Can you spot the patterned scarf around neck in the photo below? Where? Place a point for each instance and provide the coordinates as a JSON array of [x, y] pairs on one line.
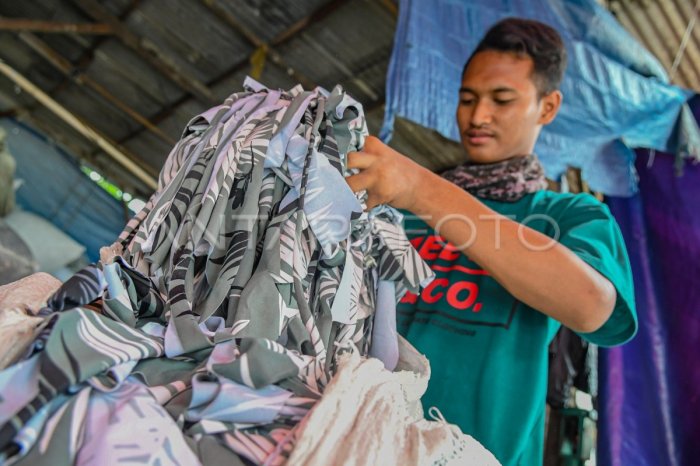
[[506, 181]]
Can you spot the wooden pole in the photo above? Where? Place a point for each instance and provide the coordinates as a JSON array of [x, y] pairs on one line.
[[52, 27], [90, 133], [83, 80], [148, 51]]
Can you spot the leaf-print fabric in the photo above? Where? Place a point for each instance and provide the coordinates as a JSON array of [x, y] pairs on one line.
[[227, 299]]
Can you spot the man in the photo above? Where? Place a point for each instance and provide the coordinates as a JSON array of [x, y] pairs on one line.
[[513, 261]]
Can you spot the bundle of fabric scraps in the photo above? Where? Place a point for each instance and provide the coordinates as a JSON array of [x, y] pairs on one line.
[[212, 327]]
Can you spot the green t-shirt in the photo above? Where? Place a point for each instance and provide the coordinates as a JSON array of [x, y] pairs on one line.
[[487, 350]]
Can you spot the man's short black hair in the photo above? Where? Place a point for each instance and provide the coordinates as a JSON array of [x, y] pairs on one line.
[[530, 38]]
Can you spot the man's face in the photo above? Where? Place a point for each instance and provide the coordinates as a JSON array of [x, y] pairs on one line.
[[499, 113]]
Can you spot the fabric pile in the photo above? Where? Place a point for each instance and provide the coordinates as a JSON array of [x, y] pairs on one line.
[[17, 322], [364, 418], [215, 323]]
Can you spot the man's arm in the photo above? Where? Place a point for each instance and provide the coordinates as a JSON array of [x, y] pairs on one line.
[[533, 267]]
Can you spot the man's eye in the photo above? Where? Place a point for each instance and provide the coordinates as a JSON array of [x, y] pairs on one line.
[[466, 101], [503, 102]]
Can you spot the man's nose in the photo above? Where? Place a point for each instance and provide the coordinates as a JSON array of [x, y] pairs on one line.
[[482, 114]]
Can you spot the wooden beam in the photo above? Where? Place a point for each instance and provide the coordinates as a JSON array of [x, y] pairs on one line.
[[224, 14], [87, 56], [338, 63], [254, 40], [47, 124], [83, 80], [52, 27], [148, 51], [285, 36], [104, 165], [277, 59], [317, 15], [117, 153], [391, 7], [111, 171]]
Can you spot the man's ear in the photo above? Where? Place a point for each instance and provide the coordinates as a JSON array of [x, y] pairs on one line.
[[549, 107]]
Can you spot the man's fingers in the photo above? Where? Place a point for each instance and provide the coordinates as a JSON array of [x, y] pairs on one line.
[[372, 202], [366, 179], [359, 182], [361, 160]]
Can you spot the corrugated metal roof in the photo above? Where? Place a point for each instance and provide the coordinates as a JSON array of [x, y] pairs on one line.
[[191, 35], [212, 42], [209, 45], [660, 25], [351, 42], [269, 18]]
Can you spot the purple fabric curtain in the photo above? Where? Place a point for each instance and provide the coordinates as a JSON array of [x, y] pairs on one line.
[[650, 388]]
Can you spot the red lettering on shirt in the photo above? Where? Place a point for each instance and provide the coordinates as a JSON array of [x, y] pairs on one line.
[[449, 252], [431, 247], [456, 297], [409, 298], [416, 242], [427, 294], [435, 247], [460, 295]]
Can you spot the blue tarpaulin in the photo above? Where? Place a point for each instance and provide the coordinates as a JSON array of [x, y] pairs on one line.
[[55, 188], [616, 94]]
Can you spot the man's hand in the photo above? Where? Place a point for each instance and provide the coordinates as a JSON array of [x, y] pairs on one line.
[[388, 176], [552, 280]]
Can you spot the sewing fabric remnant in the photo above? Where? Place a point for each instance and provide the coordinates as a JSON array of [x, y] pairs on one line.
[[227, 299]]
